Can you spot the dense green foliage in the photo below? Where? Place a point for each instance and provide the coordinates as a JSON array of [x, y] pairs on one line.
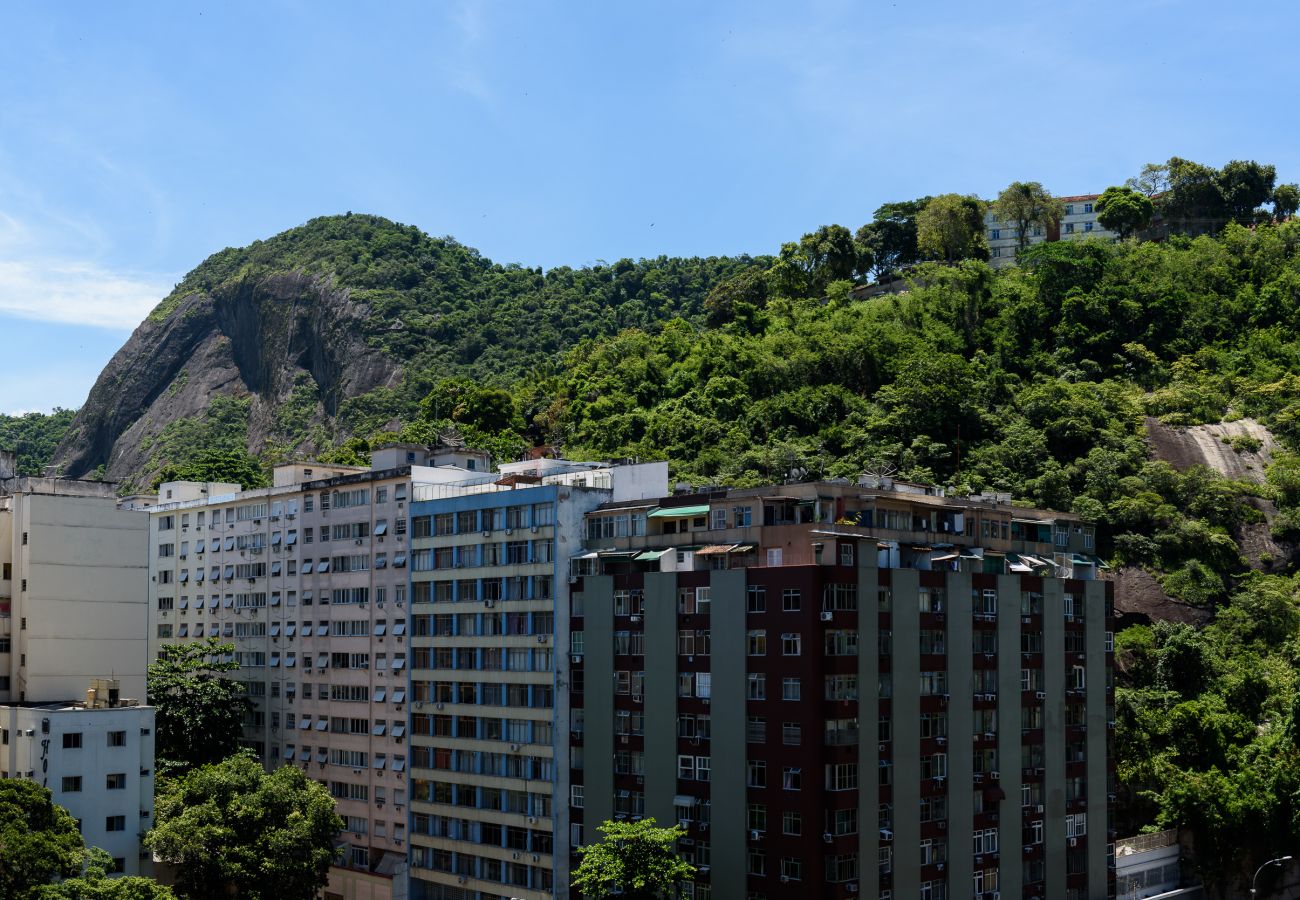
[[42, 855], [443, 308], [33, 437], [199, 711], [39, 841], [94, 883], [637, 860], [232, 830]]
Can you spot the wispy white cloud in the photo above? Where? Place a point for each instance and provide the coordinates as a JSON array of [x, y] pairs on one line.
[[80, 293]]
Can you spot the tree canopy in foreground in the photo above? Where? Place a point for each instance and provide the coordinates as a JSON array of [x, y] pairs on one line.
[[636, 860]]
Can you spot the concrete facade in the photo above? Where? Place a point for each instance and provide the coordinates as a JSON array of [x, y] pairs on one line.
[[73, 590], [97, 762], [308, 579], [491, 723], [866, 692]]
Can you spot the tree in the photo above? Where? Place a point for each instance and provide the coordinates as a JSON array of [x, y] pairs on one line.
[[1025, 204], [634, 859], [739, 297], [94, 884], [232, 466], [805, 268], [890, 237], [951, 228], [1245, 186], [234, 830], [1286, 200], [1153, 180], [1124, 210], [39, 841], [199, 712]]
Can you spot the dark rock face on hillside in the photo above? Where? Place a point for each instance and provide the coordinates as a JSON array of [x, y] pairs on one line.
[[252, 337]]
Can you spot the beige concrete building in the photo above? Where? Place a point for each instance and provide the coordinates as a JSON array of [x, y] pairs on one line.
[[308, 580], [73, 588]]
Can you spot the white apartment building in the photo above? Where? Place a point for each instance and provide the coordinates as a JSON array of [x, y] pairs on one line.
[[1078, 221], [73, 588], [491, 755], [96, 757], [308, 579]]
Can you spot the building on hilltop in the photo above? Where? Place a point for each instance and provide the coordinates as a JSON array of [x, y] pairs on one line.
[[490, 717], [1078, 221], [96, 756], [73, 588], [847, 690]]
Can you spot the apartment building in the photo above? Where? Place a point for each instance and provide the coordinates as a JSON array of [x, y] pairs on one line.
[[847, 690], [1078, 220], [489, 720], [308, 579], [73, 588], [96, 756]]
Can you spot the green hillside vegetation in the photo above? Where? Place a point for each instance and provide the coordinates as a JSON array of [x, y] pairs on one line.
[[33, 436]]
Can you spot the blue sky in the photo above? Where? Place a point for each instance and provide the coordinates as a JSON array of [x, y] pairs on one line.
[[136, 138]]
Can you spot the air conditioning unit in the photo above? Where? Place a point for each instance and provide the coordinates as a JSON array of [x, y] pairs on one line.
[[514, 748], [995, 775], [827, 615], [532, 820], [827, 837], [1038, 808], [510, 531], [1040, 695], [755, 835], [534, 529], [1074, 842], [487, 532]]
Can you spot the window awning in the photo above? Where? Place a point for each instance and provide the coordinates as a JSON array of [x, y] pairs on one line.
[[683, 800], [399, 561], [399, 696], [380, 693], [649, 555], [381, 528], [1097, 561], [322, 724], [714, 549], [305, 724], [276, 537], [275, 631], [290, 661], [185, 575], [289, 752], [380, 628], [947, 557], [399, 627], [679, 512], [1081, 560], [321, 755], [379, 729], [275, 599], [617, 554], [399, 729]]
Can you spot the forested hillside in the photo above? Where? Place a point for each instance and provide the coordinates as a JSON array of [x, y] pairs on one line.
[[33, 436]]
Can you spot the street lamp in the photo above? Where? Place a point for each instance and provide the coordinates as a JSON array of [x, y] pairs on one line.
[[1272, 862]]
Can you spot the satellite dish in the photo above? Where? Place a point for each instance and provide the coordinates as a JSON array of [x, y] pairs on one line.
[[878, 472]]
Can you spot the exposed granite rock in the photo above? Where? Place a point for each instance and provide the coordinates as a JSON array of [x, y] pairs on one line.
[[251, 337]]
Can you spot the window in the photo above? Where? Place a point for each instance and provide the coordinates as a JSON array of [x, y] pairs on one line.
[[115, 823], [756, 598], [72, 740], [116, 782], [791, 734], [790, 688], [757, 686], [791, 643], [792, 778], [790, 600], [756, 773], [71, 784], [757, 642]]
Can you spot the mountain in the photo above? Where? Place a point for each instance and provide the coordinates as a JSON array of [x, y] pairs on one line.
[[340, 325]]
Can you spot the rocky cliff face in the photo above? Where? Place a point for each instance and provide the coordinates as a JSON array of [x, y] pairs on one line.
[[257, 337]]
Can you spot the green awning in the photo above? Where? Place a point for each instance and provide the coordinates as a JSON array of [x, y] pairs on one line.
[[679, 512], [1098, 561], [1080, 560], [650, 555]]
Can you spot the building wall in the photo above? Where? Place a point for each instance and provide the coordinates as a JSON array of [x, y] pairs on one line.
[[988, 726], [32, 746], [1079, 221], [487, 731], [324, 655], [77, 594]]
